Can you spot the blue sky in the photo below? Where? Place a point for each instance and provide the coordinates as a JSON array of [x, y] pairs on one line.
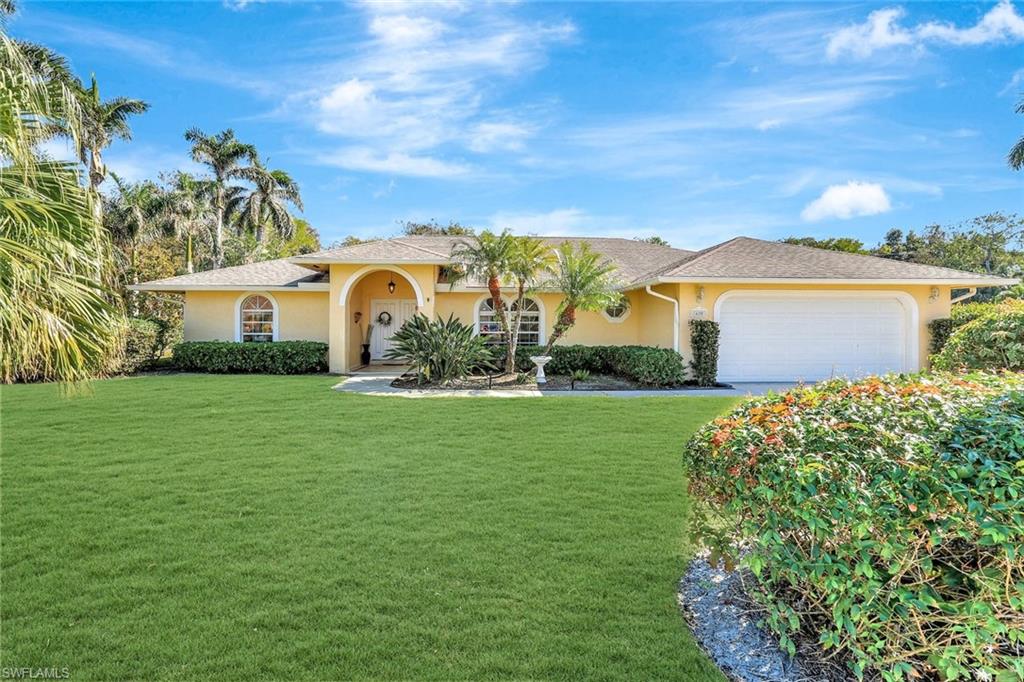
[[691, 121]]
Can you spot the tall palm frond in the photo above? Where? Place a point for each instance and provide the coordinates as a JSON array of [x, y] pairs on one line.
[[267, 203], [225, 155], [486, 257], [1016, 156], [585, 282], [56, 321]]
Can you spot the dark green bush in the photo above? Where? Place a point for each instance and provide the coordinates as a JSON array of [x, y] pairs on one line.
[[226, 357], [643, 364], [440, 350], [883, 518], [704, 345], [939, 330], [962, 313], [141, 345], [993, 341]]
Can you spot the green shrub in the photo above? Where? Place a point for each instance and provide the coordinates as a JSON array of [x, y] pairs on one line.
[[643, 364], [704, 344], [993, 341], [962, 313], [939, 331], [226, 357], [440, 350], [883, 518], [141, 345]]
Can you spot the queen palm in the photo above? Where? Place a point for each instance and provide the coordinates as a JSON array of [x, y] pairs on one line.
[[56, 320], [102, 123], [585, 282], [530, 258], [225, 155], [267, 203]]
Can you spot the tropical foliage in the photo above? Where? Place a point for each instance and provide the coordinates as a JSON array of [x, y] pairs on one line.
[[439, 350], [994, 340], [704, 346], [1015, 158], [586, 283], [56, 319], [882, 519], [497, 260]]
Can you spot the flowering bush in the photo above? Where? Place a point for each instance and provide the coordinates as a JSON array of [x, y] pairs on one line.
[[884, 518]]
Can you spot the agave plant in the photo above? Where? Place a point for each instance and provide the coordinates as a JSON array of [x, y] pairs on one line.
[[440, 351]]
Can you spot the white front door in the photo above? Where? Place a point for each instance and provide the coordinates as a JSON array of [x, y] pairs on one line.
[[399, 310], [767, 336]]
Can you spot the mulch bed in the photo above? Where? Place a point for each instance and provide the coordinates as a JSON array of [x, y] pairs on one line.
[[556, 382]]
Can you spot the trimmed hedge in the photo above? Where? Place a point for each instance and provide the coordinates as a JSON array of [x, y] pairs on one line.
[[645, 365], [704, 342], [226, 357], [940, 330], [992, 341], [882, 519]]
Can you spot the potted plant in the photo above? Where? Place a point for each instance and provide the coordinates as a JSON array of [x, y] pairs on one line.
[[364, 357]]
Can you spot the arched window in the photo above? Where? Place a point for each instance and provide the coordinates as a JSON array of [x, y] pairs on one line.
[[256, 319], [617, 312], [489, 326]]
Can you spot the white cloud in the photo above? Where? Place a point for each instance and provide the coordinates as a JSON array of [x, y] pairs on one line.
[[57, 149], [397, 163], [769, 124], [420, 88], [497, 136], [1016, 80], [847, 201], [559, 222], [404, 30], [883, 30]]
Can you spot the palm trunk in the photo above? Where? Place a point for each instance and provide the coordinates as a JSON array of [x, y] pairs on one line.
[[218, 237], [188, 255], [565, 322], [494, 286], [517, 322]]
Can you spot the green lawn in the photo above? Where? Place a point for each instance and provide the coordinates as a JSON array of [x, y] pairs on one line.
[[239, 527]]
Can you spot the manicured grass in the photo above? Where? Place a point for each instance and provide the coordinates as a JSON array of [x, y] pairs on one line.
[[267, 527]]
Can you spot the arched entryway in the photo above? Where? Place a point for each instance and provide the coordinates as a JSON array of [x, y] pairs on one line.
[[383, 296]]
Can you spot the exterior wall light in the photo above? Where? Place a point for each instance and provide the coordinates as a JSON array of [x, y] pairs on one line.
[[391, 285]]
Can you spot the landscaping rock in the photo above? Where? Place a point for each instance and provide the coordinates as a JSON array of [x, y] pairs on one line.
[[724, 621]]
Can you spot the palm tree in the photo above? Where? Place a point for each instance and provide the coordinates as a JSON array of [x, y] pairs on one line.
[[56, 319], [224, 154], [102, 122], [185, 211], [487, 257], [131, 218], [585, 282], [1016, 156], [530, 257], [267, 203]]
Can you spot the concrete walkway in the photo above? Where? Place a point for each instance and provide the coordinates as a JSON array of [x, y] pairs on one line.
[[378, 382]]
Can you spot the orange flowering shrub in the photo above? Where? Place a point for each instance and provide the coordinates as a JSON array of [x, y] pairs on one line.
[[884, 518]]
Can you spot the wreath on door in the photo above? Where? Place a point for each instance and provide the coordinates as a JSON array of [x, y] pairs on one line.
[[384, 319]]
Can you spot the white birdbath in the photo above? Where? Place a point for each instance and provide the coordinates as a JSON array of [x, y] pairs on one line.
[[540, 361]]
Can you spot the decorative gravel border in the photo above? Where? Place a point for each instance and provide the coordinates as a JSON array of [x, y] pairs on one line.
[[724, 622]]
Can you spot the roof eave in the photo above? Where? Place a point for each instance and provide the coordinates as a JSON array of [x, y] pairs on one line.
[[308, 286], [976, 282], [320, 260]]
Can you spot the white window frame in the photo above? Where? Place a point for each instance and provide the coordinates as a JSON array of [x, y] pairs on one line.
[[509, 300], [275, 321], [621, 318]]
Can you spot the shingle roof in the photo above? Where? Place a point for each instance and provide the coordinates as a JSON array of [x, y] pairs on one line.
[[633, 259], [271, 273], [637, 263], [747, 258]]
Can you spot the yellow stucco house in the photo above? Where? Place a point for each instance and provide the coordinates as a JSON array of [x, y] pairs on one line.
[[786, 312]]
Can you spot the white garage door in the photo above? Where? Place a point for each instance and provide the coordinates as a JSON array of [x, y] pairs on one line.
[[770, 337]]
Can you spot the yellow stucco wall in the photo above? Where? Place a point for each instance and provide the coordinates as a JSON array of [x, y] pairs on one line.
[[323, 316], [928, 310], [360, 284], [210, 315]]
